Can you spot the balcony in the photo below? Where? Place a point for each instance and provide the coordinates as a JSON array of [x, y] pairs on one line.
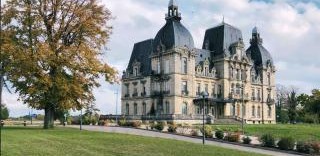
[[270, 101], [134, 94], [143, 94], [127, 95], [239, 96], [166, 92]]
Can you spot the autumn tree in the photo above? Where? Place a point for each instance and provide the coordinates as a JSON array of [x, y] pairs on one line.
[[55, 51]]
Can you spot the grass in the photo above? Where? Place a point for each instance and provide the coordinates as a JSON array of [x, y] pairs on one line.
[[300, 132], [63, 141]]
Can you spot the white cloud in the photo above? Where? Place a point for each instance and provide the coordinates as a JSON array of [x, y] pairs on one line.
[[290, 31]]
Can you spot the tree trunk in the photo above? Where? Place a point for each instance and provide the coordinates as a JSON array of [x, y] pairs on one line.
[[48, 118]]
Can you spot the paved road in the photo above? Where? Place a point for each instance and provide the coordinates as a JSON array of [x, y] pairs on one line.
[[176, 137]]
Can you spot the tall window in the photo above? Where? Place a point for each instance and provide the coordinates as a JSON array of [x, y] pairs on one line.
[[238, 74], [238, 89], [159, 67], [206, 88], [184, 108], [253, 94], [184, 65], [135, 71], [167, 67], [206, 71], [135, 109], [167, 107], [184, 87], [269, 112], [232, 88], [127, 89], [127, 109], [258, 112], [244, 110], [258, 95], [220, 90], [232, 110], [198, 89], [231, 73], [214, 90], [144, 109], [269, 80], [253, 111]]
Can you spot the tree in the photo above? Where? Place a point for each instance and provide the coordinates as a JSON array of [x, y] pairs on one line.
[[4, 112], [54, 48], [292, 106], [281, 95]]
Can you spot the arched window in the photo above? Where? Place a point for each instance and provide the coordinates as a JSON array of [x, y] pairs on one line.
[[232, 111], [184, 108], [184, 65], [135, 109], [253, 111], [167, 107], [127, 109], [258, 112]]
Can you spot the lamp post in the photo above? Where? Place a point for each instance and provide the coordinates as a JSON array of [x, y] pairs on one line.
[[117, 93], [242, 103], [204, 96]]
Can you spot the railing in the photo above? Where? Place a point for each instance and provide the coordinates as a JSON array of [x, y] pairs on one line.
[[134, 94], [156, 117], [127, 95], [143, 94], [185, 93]]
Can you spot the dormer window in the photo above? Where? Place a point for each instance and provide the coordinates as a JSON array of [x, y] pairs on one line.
[[136, 68]]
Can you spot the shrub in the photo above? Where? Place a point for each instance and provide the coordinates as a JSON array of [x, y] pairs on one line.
[[286, 143], [172, 128], [246, 140], [194, 132], [219, 134], [315, 147], [159, 126], [136, 124], [268, 140], [101, 122], [232, 137], [303, 147], [122, 122], [207, 131], [183, 128]]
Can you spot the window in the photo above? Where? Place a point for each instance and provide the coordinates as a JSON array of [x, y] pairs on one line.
[[258, 112], [184, 87], [243, 75], [253, 111], [232, 88], [127, 89], [269, 112], [167, 67], [243, 110], [167, 86], [158, 67], [198, 89], [232, 111], [238, 74], [198, 110], [220, 90], [253, 94], [185, 109], [206, 88], [135, 109], [184, 65], [258, 95], [167, 107], [206, 71], [238, 89], [214, 90], [269, 81], [144, 109], [127, 109], [135, 71], [231, 73]]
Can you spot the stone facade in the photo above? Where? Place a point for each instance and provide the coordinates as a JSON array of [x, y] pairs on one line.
[[166, 76]]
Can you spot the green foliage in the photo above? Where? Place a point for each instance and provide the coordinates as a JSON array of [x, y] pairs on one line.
[[292, 106], [286, 143], [136, 124], [246, 140], [310, 118], [4, 112], [304, 147], [267, 140], [315, 147], [219, 134], [232, 137], [159, 126], [122, 122], [172, 128], [207, 131], [54, 50]]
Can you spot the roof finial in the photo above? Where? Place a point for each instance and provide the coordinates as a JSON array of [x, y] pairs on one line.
[[173, 3], [223, 19]]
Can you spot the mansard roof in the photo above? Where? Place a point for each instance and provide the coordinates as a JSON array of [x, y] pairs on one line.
[[220, 38], [141, 52]]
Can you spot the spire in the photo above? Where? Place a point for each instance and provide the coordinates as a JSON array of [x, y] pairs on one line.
[[173, 11], [255, 36]]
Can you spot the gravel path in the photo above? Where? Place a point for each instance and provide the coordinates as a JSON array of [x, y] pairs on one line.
[[176, 137]]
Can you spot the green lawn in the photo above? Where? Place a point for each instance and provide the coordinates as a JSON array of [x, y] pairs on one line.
[[298, 131], [63, 141]]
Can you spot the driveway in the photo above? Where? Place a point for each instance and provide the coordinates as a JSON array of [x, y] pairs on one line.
[[176, 137]]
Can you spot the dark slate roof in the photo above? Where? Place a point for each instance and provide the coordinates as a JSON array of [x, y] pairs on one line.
[[141, 52], [173, 34], [221, 37], [259, 55]]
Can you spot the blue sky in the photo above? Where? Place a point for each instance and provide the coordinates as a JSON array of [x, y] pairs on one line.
[[290, 30]]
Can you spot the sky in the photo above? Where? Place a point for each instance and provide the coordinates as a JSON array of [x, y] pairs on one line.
[[290, 30]]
